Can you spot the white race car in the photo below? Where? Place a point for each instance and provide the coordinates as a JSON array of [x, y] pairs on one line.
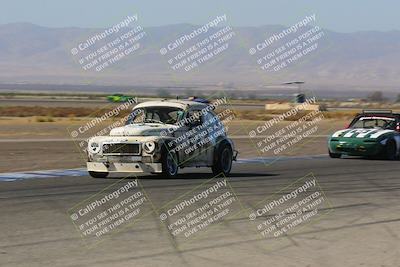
[[162, 136]]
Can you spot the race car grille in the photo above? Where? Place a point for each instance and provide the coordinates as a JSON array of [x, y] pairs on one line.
[[121, 149]]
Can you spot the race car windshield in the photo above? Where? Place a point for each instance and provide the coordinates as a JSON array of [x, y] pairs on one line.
[[164, 115], [375, 122]]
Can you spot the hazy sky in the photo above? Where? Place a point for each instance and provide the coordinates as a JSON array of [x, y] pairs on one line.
[[337, 15]]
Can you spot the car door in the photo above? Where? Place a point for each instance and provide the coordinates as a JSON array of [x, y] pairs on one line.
[[194, 151], [182, 142], [214, 131]]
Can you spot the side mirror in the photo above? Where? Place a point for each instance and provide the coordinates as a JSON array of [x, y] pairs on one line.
[[195, 123], [195, 120]]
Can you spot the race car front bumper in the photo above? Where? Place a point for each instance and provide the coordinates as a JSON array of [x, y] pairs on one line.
[[348, 148], [132, 167]]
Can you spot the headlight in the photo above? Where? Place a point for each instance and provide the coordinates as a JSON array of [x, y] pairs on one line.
[[149, 147], [94, 147]]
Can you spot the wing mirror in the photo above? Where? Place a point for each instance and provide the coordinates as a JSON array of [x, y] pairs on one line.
[[194, 120], [195, 123]]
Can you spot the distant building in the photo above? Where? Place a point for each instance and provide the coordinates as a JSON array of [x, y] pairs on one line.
[[299, 99]]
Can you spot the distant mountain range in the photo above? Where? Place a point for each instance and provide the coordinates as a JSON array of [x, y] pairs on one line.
[[343, 61]]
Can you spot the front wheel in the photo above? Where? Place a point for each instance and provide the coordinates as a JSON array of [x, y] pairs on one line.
[[169, 163], [223, 158], [334, 155], [98, 174]]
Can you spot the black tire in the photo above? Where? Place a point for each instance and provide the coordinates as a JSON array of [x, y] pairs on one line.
[[98, 174], [390, 150], [223, 158], [335, 155], [170, 165]]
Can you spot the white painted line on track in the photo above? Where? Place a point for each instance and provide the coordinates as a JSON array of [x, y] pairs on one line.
[[14, 176], [40, 140]]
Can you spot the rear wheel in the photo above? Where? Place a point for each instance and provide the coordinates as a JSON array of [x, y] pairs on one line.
[[223, 158], [390, 150], [169, 163], [98, 174]]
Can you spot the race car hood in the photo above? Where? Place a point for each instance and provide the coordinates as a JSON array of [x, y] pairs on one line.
[[148, 129], [362, 133]]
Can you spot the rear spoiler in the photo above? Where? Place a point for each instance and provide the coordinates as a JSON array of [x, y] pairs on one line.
[[199, 99], [377, 111]]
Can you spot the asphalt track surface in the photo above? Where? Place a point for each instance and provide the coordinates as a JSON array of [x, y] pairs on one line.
[[361, 227]]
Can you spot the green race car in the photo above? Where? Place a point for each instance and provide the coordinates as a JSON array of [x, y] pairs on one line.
[[372, 134], [119, 98]]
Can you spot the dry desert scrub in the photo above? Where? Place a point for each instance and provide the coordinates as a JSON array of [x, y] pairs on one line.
[[44, 113], [70, 112], [263, 115]]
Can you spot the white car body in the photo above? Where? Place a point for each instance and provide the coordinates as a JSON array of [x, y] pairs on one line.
[[128, 149]]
